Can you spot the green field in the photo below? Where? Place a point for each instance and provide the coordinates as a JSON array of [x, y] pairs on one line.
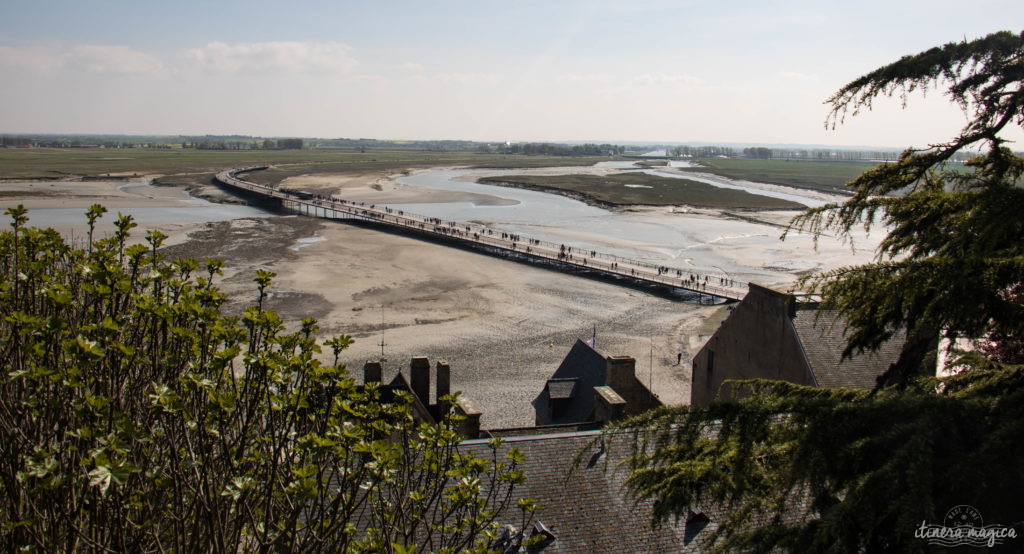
[[56, 163], [634, 188], [826, 176]]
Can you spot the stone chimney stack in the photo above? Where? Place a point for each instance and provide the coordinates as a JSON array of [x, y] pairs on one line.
[[620, 374], [372, 372], [469, 427], [419, 377], [444, 380], [608, 406]]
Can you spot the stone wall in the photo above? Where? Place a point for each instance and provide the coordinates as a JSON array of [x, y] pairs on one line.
[[758, 341]]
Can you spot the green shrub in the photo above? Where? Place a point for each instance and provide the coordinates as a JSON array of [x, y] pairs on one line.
[[136, 417]]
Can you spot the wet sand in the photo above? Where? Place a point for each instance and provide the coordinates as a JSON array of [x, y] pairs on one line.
[[502, 326]]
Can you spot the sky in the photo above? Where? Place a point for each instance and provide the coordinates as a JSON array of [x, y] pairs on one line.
[[676, 71]]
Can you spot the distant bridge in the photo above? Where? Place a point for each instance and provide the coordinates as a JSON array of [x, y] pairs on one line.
[[509, 245]]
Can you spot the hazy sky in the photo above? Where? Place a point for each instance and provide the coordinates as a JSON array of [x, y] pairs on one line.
[[551, 70]]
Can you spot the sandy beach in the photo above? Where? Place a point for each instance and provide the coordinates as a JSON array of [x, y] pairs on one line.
[[502, 326]]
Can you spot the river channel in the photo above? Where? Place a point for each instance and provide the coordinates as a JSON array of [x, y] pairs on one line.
[[741, 248]]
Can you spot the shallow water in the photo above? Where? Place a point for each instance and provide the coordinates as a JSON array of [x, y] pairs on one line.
[[791, 196], [682, 239], [616, 165], [307, 241]]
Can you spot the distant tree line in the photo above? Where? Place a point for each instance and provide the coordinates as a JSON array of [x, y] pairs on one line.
[[82, 142], [763, 153], [15, 141], [364, 144], [245, 142], [799, 154], [703, 151], [266, 144], [548, 149], [759, 152]]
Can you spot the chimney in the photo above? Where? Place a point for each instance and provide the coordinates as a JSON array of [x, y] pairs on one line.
[[608, 406], [469, 427], [372, 371], [419, 377], [444, 380], [620, 373]]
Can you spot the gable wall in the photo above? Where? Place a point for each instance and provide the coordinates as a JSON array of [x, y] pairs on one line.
[[757, 341]]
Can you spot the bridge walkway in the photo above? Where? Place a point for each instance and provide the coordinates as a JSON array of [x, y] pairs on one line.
[[511, 245]]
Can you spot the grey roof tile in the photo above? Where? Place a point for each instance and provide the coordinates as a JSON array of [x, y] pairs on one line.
[[823, 339], [588, 509]]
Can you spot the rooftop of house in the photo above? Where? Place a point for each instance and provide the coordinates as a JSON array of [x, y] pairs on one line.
[[587, 509], [823, 338], [585, 369]]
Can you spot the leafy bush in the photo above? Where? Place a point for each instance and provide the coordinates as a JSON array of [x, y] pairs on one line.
[[137, 417]]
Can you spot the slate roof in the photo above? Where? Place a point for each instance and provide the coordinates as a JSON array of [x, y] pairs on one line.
[[823, 342], [588, 510], [561, 388], [584, 364]]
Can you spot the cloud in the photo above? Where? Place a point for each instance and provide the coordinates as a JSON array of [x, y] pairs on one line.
[[468, 79], [92, 58], [35, 58], [590, 78], [413, 66], [653, 79], [112, 59], [289, 56], [798, 76]]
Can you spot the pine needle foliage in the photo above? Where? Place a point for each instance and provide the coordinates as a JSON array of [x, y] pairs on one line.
[[954, 249], [804, 469], [136, 417], [807, 469]]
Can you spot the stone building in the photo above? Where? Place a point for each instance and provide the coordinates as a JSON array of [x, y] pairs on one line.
[[770, 335], [426, 409]]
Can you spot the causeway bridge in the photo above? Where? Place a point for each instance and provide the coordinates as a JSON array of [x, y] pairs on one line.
[[513, 246]]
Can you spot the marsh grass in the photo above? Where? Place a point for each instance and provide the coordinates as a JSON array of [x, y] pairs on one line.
[[636, 188], [825, 176]]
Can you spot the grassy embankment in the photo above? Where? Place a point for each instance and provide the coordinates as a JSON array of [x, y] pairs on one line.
[[650, 190], [824, 176]]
